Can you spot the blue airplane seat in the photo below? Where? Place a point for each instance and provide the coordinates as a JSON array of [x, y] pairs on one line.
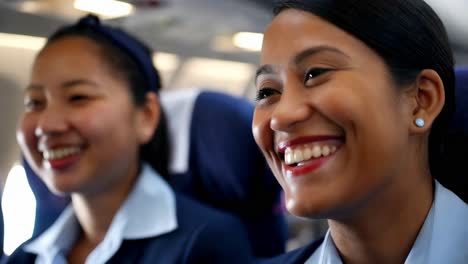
[[225, 168], [461, 97], [455, 169]]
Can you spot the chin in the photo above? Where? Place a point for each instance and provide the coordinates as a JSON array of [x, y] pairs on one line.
[[311, 207], [304, 209], [61, 189]]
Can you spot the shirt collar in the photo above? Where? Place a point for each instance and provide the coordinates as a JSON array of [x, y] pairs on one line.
[[149, 211], [444, 235], [442, 239]]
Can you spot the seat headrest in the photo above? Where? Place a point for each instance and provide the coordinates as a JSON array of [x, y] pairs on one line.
[[460, 122], [455, 170], [215, 157]]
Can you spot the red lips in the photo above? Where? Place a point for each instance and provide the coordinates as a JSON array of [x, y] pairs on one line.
[[312, 164], [63, 163]]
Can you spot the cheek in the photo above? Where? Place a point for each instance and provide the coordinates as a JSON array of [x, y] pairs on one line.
[[27, 141], [101, 121], [264, 138], [93, 127], [361, 106], [339, 110], [112, 129], [342, 101], [261, 130], [374, 131], [25, 133]]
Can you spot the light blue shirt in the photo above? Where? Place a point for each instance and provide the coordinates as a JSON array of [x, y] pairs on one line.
[[148, 211], [443, 237]]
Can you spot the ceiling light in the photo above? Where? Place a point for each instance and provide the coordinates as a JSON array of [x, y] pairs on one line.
[[21, 41], [166, 64], [165, 61], [223, 44], [29, 6], [105, 8], [248, 41]]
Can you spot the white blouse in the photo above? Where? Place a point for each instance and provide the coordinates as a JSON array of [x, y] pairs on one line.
[[442, 239]]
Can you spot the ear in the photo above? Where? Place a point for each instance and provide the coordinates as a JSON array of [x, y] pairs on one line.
[[148, 116], [428, 98]]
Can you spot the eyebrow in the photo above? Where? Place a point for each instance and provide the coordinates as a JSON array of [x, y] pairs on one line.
[[299, 58], [71, 83], [33, 87], [315, 50], [264, 69], [67, 84]]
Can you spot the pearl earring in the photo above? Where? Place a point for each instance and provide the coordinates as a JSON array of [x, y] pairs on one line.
[[419, 122]]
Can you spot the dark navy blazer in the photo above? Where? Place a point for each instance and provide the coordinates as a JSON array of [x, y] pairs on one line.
[[203, 235]]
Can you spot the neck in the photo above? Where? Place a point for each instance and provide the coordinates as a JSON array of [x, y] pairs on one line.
[[384, 230], [95, 211]]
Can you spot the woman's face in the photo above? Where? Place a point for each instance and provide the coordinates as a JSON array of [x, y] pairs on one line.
[[80, 130], [329, 119]]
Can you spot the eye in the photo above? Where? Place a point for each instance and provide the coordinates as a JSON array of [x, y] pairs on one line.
[[78, 98], [314, 73], [264, 93], [32, 104]]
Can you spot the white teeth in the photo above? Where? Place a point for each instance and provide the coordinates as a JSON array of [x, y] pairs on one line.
[[307, 154], [288, 155], [325, 151], [301, 154], [298, 157], [60, 153], [316, 152]]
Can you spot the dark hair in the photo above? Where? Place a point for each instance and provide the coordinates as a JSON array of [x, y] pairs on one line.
[[408, 35], [130, 60]]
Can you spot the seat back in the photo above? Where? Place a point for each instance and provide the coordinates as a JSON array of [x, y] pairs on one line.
[[456, 171], [214, 159], [223, 166], [460, 123]]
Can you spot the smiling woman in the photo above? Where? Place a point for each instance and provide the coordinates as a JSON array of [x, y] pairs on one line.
[[351, 114], [93, 129]]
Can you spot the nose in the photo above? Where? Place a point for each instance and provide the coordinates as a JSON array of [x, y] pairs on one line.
[[51, 121], [291, 109]]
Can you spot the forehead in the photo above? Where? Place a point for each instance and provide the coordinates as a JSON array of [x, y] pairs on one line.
[[70, 56], [293, 31], [70, 47]]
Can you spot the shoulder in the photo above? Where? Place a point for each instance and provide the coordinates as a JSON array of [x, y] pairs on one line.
[[450, 211], [299, 255], [214, 236], [19, 256], [203, 235]]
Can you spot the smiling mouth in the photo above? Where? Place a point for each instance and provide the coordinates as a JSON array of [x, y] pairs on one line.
[[300, 155], [60, 153]]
